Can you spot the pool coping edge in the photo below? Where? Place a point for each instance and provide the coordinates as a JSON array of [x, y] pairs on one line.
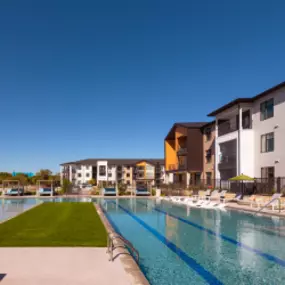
[[131, 268], [18, 214]]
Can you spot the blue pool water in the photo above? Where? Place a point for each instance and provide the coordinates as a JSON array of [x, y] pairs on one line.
[[12, 207], [180, 245]]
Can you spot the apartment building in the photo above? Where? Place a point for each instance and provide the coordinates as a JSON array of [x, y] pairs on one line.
[[149, 172], [250, 135], [113, 171], [189, 153], [209, 134]]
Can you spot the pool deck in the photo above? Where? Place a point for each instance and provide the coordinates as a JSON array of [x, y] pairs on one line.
[[34, 266], [247, 208]]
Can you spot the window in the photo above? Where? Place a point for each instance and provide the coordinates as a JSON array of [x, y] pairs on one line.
[[128, 175], [267, 109], [246, 123], [209, 178], [128, 167], [87, 175], [267, 142], [79, 175], [109, 174], [208, 133], [197, 178], [128, 182], [209, 156], [267, 172], [102, 170]]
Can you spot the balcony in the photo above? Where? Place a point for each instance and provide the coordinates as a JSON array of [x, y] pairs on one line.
[[226, 128], [231, 124], [227, 162], [182, 151]]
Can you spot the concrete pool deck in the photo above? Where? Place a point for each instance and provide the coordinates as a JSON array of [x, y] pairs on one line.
[[34, 266], [248, 208]]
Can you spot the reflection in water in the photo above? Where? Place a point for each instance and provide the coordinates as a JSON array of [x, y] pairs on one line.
[[12, 207]]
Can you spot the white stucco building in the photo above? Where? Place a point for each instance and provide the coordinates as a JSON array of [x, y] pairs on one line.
[[110, 170], [250, 136]]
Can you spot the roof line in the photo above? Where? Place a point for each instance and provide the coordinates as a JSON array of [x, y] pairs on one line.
[[246, 100]]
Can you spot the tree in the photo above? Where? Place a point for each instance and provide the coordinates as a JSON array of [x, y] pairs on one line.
[[4, 176], [65, 185], [92, 182], [23, 178], [55, 178], [44, 174]]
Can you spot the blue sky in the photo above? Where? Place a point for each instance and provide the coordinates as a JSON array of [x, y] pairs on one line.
[[83, 79]]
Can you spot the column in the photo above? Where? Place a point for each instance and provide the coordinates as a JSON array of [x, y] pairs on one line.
[[217, 150], [239, 162]]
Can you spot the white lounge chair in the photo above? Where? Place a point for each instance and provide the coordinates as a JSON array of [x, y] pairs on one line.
[[261, 203]]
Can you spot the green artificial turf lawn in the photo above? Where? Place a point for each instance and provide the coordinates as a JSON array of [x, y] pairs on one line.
[[55, 224]]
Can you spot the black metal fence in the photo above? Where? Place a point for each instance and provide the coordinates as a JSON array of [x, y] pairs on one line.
[[264, 186]]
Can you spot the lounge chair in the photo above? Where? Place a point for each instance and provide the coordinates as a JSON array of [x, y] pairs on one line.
[[203, 196], [273, 202], [45, 191], [14, 191], [259, 202], [142, 192], [222, 196], [213, 195], [109, 192]]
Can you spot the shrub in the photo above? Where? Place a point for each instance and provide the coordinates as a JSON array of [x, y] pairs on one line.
[[30, 193], [95, 191]]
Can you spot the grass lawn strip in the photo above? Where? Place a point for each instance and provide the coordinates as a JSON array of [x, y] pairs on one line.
[[55, 224]]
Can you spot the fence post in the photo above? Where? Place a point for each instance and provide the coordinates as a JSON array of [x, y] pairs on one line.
[[220, 184], [278, 184]]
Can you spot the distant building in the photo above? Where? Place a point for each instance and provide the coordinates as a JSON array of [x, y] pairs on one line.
[[189, 155], [125, 171], [29, 174]]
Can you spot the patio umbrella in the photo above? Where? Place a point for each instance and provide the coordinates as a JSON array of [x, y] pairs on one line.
[[242, 177]]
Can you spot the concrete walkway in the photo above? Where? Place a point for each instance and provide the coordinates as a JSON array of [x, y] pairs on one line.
[[62, 266]]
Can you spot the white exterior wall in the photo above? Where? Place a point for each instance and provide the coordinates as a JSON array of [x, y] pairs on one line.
[[275, 124], [163, 175], [247, 152], [83, 174], [113, 172], [169, 178]]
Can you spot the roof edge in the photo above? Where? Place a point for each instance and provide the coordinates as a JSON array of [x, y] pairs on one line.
[[246, 100]]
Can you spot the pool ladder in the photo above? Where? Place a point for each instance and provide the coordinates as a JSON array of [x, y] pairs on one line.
[[112, 236]]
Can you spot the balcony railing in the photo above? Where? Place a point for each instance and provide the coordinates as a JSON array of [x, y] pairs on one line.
[[232, 125], [226, 128], [182, 151]]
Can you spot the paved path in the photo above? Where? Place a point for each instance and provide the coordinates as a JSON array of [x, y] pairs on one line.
[[62, 266]]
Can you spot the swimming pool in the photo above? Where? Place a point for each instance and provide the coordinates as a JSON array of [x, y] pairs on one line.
[[12, 207], [180, 245]]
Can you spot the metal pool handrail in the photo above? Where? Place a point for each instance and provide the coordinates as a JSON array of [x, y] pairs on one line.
[[110, 245], [267, 204]]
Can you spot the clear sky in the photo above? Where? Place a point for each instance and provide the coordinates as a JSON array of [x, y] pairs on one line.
[[85, 79]]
